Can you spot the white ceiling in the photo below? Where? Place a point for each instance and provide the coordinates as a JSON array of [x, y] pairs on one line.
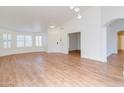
[[34, 18]]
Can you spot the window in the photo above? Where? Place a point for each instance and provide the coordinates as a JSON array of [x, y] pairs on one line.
[[28, 41], [38, 41], [20, 41], [7, 40]]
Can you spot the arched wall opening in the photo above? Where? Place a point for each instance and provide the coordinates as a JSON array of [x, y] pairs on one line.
[[121, 41], [113, 28]]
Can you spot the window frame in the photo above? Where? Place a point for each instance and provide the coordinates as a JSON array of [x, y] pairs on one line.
[[30, 40], [7, 40], [38, 40], [22, 41]]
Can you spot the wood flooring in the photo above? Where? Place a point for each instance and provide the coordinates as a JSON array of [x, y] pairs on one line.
[[59, 70]]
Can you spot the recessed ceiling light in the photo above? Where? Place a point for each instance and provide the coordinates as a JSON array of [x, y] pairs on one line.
[[76, 9], [79, 16], [51, 26], [71, 7]]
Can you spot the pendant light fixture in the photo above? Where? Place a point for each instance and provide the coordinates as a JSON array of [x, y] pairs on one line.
[[77, 10]]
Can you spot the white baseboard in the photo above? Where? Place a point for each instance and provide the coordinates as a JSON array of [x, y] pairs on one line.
[[11, 52]]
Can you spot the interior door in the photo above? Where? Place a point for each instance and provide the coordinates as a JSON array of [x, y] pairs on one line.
[[53, 41]]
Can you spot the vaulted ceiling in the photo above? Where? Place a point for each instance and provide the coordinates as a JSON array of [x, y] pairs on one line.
[[34, 18]]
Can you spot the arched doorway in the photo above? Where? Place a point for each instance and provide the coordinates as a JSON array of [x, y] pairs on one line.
[[115, 30], [121, 42], [114, 43]]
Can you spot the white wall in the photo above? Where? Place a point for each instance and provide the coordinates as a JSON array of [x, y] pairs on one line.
[[90, 28], [111, 41], [111, 13], [14, 49], [74, 41], [45, 40], [94, 34]]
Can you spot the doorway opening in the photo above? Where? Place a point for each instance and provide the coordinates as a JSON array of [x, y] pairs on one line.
[[115, 37], [115, 44], [75, 44], [121, 42]]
